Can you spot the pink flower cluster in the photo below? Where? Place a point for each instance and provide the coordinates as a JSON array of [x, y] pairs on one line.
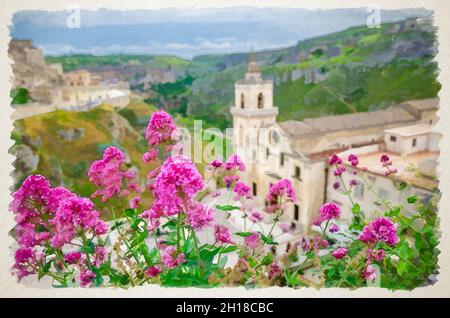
[[387, 163], [340, 252], [170, 258], [279, 195], [275, 270], [252, 241], [160, 128], [175, 186], [234, 162], [76, 214], [53, 217], [242, 190], [199, 216], [328, 211], [380, 230], [222, 234], [110, 176], [27, 262]]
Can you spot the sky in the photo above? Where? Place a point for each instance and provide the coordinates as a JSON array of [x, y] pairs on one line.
[[186, 32]]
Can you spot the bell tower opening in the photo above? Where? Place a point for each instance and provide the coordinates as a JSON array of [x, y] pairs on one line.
[[242, 101], [260, 100]]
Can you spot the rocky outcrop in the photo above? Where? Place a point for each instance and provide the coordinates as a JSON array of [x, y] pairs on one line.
[[31, 72]]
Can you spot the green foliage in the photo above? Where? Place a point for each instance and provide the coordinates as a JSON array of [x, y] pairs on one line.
[[19, 96]]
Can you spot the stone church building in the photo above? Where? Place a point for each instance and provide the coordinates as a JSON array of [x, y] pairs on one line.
[[299, 150]]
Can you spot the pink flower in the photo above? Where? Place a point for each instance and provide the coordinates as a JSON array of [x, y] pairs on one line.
[[86, 277], [234, 162], [252, 241], [199, 216], [353, 159], [377, 255], [177, 183], [34, 199], [150, 155], [380, 230], [280, 193], [100, 256], [160, 128], [335, 160], [222, 234], [216, 163], [336, 185], [170, 258], [73, 215], [285, 228], [305, 244], [153, 271], [256, 217], [27, 262], [275, 270], [334, 228], [369, 273], [110, 175], [72, 257], [230, 180], [339, 171], [242, 190], [329, 211], [353, 182], [135, 202], [339, 253], [385, 158]]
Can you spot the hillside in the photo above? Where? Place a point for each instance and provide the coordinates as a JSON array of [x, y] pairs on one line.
[[61, 145]]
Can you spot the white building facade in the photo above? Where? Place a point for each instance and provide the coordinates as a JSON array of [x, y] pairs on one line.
[[299, 150]]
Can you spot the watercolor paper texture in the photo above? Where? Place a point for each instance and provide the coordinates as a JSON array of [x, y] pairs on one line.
[[263, 150]]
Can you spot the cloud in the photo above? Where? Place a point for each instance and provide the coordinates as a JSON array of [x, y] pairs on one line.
[[188, 50]]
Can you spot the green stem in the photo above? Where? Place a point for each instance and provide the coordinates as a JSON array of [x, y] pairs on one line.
[[178, 233]]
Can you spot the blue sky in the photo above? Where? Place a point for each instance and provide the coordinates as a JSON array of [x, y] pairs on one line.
[[186, 32]]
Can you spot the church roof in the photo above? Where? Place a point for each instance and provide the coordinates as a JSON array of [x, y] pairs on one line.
[[328, 124]]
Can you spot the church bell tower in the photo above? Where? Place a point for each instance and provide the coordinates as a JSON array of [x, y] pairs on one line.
[[253, 108]]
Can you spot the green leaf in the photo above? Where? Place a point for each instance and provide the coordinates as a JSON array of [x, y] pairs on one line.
[[243, 234], [412, 199], [229, 249], [393, 212], [130, 213], [267, 259], [227, 207], [356, 208]]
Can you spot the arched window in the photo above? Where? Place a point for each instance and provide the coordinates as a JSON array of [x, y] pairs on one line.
[[260, 100], [242, 100]]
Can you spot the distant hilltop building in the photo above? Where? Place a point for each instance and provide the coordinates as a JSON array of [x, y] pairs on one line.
[[49, 88], [299, 150]]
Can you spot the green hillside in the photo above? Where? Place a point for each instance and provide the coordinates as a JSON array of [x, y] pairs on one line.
[[358, 69], [65, 143]]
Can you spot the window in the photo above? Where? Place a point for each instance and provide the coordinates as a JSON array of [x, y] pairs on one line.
[[393, 138], [414, 142], [297, 173], [296, 212], [267, 152], [254, 189], [282, 159], [242, 100], [260, 100]]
